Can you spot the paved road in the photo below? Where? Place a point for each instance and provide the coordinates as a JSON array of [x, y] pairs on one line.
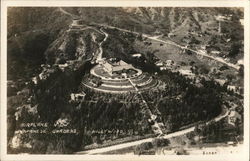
[[178, 133], [99, 56], [177, 45], [134, 143], [163, 41], [198, 53]]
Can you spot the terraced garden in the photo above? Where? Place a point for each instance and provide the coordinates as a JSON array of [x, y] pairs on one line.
[[119, 83]]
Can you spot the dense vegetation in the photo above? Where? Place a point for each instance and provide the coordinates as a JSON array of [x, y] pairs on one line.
[[217, 132], [30, 32], [97, 118], [182, 103]]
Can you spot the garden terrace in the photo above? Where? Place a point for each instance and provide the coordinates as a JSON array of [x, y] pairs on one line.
[[115, 81], [102, 81], [122, 83], [110, 89], [117, 89], [148, 85], [140, 81]]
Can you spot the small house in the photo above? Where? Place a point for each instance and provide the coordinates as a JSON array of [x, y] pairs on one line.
[[136, 55], [215, 52], [169, 62], [170, 35], [163, 68], [220, 81], [63, 66], [159, 63], [233, 117], [77, 96]]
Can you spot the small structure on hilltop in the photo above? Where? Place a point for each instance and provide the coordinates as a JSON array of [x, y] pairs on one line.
[[115, 67]]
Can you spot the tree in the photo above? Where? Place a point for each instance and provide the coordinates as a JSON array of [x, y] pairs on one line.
[[235, 48], [140, 36], [241, 70]]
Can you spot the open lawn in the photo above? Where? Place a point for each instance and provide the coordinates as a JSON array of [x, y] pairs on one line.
[[182, 58], [170, 52]]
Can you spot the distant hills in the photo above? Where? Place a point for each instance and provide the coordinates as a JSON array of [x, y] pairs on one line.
[[147, 19], [32, 29]]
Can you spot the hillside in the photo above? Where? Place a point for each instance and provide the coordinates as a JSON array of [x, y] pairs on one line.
[[51, 52], [195, 27], [30, 32], [31, 28]]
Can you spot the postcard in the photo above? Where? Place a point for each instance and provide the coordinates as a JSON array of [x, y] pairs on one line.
[[119, 80]]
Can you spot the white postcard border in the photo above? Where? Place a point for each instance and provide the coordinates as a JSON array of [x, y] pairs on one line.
[[131, 3]]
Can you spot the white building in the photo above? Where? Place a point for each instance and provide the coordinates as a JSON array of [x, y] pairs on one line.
[[233, 116], [186, 72], [220, 81], [240, 62], [170, 35], [77, 96], [116, 67], [231, 87], [63, 66], [242, 22], [215, 52], [169, 62], [163, 68], [136, 55], [35, 80], [159, 63]]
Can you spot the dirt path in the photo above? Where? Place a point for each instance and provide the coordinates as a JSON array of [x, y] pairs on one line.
[[99, 56], [67, 13], [158, 130]]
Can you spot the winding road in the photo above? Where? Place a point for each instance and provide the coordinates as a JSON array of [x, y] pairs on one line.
[[134, 143], [99, 56], [166, 136], [156, 38]]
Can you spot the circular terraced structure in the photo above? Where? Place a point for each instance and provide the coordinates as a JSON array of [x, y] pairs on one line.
[[134, 80]]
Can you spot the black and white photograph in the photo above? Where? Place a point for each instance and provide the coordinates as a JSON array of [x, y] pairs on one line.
[[121, 80]]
